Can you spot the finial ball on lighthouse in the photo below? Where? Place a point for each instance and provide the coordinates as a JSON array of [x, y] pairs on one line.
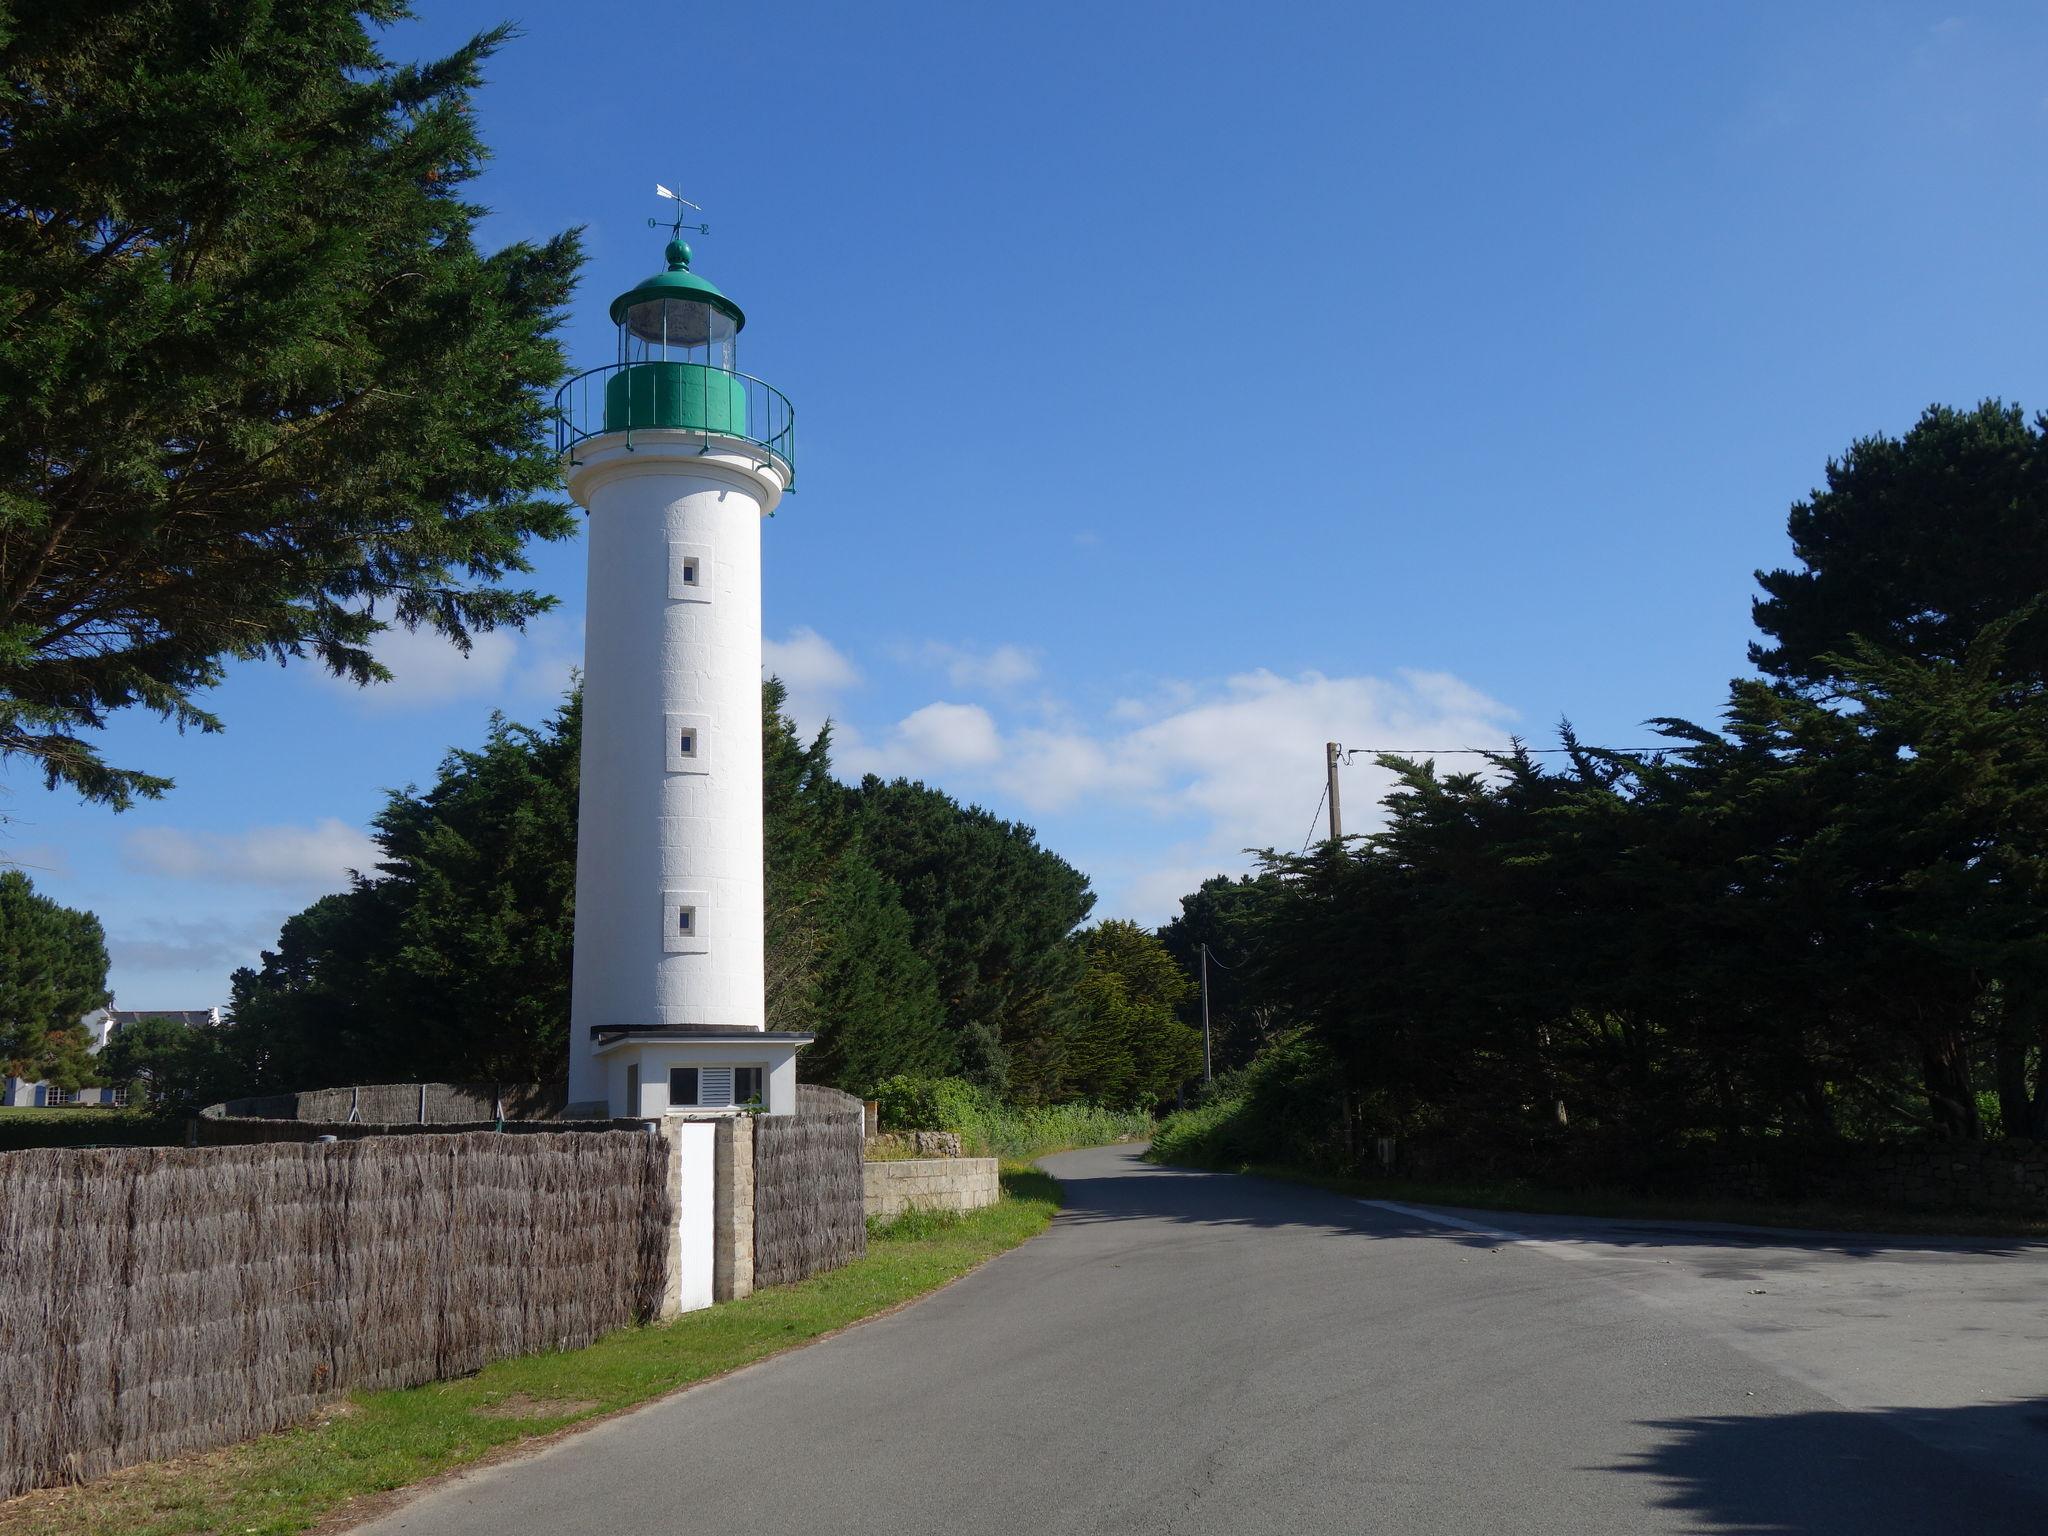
[[677, 456]]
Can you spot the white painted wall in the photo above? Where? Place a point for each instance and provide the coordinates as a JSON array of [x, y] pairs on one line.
[[696, 1144], [663, 654]]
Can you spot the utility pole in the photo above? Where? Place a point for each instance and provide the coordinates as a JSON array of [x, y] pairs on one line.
[[1208, 1075], [1330, 750]]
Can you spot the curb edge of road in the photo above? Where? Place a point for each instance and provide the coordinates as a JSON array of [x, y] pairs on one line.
[[361, 1511]]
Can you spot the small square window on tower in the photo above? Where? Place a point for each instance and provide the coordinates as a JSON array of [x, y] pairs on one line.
[[689, 572], [689, 742], [684, 918]]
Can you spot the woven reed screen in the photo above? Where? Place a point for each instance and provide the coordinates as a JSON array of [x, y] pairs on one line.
[[809, 1214], [155, 1301]]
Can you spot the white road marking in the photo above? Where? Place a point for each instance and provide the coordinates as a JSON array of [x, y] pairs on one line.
[[1562, 1250]]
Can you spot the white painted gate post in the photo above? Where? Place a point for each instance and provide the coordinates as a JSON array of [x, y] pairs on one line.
[[691, 1155]]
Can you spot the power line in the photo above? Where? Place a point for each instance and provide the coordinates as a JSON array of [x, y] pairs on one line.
[[1317, 817], [1351, 752]]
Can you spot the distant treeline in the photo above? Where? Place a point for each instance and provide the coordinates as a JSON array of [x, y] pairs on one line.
[[1827, 918], [915, 936]]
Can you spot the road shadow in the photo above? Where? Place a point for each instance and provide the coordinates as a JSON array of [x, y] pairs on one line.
[[1975, 1471], [1128, 1189]]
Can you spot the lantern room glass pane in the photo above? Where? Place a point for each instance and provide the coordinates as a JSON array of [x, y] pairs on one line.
[[678, 331]]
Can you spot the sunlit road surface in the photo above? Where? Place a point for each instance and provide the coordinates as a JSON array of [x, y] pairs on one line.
[[1198, 1353]]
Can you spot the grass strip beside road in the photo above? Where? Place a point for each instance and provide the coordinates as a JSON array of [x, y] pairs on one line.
[[376, 1442], [1513, 1195]]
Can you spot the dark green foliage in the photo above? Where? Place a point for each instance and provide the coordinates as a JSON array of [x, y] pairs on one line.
[[1224, 914], [264, 394], [170, 1068], [804, 829], [989, 1127], [53, 971], [992, 911], [916, 1103], [878, 1011], [450, 962], [1826, 919], [1917, 544], [1286, 1107], [1125, 1046]]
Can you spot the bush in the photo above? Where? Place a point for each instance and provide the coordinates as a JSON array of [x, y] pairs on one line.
[[928, 1103], [987, 1127], [1286, 1107]]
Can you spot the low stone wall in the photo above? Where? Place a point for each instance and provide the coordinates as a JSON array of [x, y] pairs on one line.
[[897, 1146], [932, 1184]]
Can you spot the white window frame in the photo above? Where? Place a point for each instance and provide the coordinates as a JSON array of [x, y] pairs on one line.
[[675, 939], [698, 760], [718, 1085], [689, 572]]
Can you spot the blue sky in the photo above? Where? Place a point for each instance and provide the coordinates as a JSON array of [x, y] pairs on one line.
[[1184, 385]]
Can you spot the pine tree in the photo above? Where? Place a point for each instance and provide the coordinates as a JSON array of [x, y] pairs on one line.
[[53, 971], [264, 394], [1126, 1045], [878, 1010]]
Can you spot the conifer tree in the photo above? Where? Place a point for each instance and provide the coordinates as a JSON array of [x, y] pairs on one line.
[[264, 394], [53, 971]]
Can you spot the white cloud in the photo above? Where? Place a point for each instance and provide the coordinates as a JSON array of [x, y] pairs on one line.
[[1190, 774], [814, 671], [1001, 670], [550, 656], [505, 665], [200, 947], [306, 859], [942, 736]]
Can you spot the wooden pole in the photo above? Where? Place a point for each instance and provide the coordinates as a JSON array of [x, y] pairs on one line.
[[1336, 811]]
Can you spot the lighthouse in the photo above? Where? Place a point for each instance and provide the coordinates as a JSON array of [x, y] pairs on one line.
[[677, 457]]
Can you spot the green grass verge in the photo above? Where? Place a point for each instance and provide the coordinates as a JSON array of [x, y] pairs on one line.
[[379, 1441], [1513, 1195], [1021, 1135]]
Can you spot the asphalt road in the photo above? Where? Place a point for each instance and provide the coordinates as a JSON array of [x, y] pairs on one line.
[[1188, 1353]]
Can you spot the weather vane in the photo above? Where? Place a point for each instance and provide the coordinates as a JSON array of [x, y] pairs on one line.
[[678, 226]]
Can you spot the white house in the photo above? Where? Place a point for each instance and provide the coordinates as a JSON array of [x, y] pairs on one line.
[[101, 1025]]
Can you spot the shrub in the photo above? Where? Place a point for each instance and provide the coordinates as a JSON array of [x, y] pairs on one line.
[[1286, 1107], [928, 1103], [987, 1127]]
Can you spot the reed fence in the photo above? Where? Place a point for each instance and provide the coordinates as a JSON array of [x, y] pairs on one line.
[[465, 1104], [155, 1301], [809, 1204]]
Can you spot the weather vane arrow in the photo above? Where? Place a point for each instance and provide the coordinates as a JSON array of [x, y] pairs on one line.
[[681, 202]]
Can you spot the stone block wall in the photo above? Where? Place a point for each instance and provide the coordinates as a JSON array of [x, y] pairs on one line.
[[935, 1184], [732, 1211], [914, 1144]]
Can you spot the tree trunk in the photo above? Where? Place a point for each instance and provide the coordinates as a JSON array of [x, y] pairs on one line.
[[1945, 1076], [2015, 1104]]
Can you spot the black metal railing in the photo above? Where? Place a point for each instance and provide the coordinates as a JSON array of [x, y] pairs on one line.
[[677, 397]]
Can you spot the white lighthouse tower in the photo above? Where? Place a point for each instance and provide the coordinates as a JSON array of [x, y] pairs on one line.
[[676, 456]]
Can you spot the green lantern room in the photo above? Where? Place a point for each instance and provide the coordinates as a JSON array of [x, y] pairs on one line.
[[678, 355]]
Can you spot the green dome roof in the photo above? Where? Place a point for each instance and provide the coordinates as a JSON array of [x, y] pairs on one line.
[[678, 282]]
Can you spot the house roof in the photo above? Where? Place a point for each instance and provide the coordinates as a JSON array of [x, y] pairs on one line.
[[189, 1017]]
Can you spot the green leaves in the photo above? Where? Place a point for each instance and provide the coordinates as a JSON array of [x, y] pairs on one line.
[[1830, 917], [53, 971], [265, 396]]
